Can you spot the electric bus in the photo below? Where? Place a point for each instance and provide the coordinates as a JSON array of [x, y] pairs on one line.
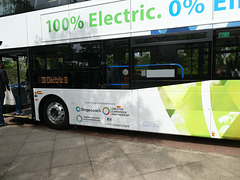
[[166, 66]]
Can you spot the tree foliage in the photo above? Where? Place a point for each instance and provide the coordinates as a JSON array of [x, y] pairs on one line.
[[10, 65]]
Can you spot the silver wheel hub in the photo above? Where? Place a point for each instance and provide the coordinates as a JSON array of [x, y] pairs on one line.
[[55, 113]]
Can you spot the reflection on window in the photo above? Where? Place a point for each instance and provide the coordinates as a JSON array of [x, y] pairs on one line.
[[227, 63], [182, 61], [177, 37], [117, 59], [42, 4], [10, 65], [75, 1], [50, 57], [11, 7], [86, 66], [8, 7], [48, 66]]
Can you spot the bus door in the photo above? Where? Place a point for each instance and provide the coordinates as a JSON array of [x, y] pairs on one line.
[[16, 65]]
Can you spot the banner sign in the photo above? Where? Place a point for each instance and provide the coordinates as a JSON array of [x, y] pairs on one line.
[[130, 16]]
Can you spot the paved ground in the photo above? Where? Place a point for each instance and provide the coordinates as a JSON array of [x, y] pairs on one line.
[[32, 151]]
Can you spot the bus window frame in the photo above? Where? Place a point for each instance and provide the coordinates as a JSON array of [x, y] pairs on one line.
[[151, 82], [208, 38], [215, 51]]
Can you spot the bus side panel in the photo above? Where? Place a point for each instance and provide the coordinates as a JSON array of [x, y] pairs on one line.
[[13, 31], [205, 109], [99, 108], [225, 95], [103, 108], [177, 109], [153, 117]]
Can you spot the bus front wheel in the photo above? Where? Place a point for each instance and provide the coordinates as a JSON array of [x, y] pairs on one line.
[[55, 113]]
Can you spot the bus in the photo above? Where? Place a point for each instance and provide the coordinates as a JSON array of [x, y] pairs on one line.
[[166, 66]]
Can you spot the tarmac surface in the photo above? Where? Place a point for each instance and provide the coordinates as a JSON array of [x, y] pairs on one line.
[[32, 151]]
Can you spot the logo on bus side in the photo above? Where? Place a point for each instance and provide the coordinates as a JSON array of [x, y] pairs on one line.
[[78, 109], [106, 111], [88, 110], [79, 118]]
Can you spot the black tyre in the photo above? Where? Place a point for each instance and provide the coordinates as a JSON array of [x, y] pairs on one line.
[[55, 113]]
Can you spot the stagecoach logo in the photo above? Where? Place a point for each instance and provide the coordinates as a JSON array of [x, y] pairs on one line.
[[78, 109], [79, 118], [106, 111], [90, 110]]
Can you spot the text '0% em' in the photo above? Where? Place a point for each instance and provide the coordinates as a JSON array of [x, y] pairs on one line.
[[64, 24], [175, 7]]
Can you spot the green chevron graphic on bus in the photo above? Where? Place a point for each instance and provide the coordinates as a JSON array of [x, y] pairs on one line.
[[185, 105], [226, 106]]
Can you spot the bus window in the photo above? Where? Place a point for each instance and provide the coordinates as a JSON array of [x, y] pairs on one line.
[[8, 7], [50, 58], [161, 63], [48, 66], [42, 4], [185, 61], [116, 54], [227, 62], [86, 65], [75, 1]]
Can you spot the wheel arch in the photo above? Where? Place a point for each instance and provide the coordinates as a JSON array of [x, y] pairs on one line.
[[43, 101], [60, 120]]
